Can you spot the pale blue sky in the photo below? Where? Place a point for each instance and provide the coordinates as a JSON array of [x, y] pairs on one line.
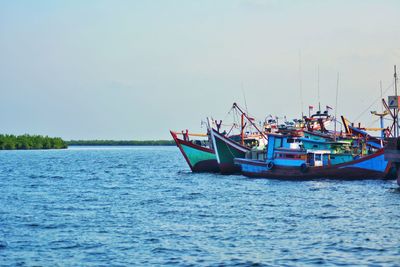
[[135, 69]]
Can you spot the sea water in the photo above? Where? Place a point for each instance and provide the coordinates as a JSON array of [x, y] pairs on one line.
[[142, 206]]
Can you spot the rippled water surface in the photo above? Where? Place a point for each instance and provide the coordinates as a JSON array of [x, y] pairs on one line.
[[142, 206]]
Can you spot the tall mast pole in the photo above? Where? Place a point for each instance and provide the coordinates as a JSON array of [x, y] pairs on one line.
[[395, 80], [380, 85], [336, 104], [396, 111], [382, 113], [319, 100], [301, 86], [242, 128]]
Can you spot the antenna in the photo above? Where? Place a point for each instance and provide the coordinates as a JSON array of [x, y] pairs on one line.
[[245, 105], [319, 100], [395, 80], [396, 111], [244, 97], [336, 104], [301, 85], [380, 85]]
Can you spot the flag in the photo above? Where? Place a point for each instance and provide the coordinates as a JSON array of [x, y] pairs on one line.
[[310, 107], [328, 107]]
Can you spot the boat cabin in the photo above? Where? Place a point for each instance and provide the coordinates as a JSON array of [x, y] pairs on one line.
[[292, 151], [276, 141], [338, 147], [318, 158], [285, 150], [289, 157], [317, 136]]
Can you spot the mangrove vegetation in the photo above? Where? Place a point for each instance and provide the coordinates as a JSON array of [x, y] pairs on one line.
[[121, 143], [11, 142]]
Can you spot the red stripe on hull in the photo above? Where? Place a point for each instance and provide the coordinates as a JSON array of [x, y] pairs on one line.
[[190, 144], [230, 142], [202, 166], [178, 144]]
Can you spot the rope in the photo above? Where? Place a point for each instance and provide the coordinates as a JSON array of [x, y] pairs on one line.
[[372, 123], [230, 150], [373, 103]]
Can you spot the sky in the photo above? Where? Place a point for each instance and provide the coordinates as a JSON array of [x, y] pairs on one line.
[[135, 69]]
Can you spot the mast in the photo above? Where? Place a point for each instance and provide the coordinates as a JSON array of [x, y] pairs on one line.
[[337, 92], [242, 129], [319, 100], [301, 85], [381, 124], [396, 110], [251, 121], [395, 80], [380, 85]]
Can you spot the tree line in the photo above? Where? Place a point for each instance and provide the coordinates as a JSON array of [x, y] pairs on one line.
[[121, 143], [25, 141]]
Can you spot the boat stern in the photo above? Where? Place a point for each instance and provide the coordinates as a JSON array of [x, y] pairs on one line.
[[392, 154]]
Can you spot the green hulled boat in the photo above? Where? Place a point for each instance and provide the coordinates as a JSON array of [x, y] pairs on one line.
[[198, 154]]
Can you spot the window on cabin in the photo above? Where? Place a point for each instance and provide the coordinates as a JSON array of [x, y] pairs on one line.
[[317, 157], [315, 146]]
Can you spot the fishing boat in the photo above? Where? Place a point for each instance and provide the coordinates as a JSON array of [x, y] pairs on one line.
[[235, 146], [392, 154], [226, 150], [283, 160], [392, 146], [198, 154]]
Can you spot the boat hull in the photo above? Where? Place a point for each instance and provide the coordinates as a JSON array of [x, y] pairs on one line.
[[392, 153], [369, 167], [226, 151], [199, 159]]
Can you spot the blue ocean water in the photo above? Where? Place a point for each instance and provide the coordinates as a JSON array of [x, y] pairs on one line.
[[141, 206]]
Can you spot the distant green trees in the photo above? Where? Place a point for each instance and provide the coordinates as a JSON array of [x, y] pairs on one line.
[[121, 143], [25, 141], [10, 142]]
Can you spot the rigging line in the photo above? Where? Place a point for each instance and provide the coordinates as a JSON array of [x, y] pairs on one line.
[[227, 114], [230, 151], [336, 104], [372, 123], [245, 102], [380, 85], [301, 85], [373, 103], [234, 118], [228, 125], [319, 99]]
